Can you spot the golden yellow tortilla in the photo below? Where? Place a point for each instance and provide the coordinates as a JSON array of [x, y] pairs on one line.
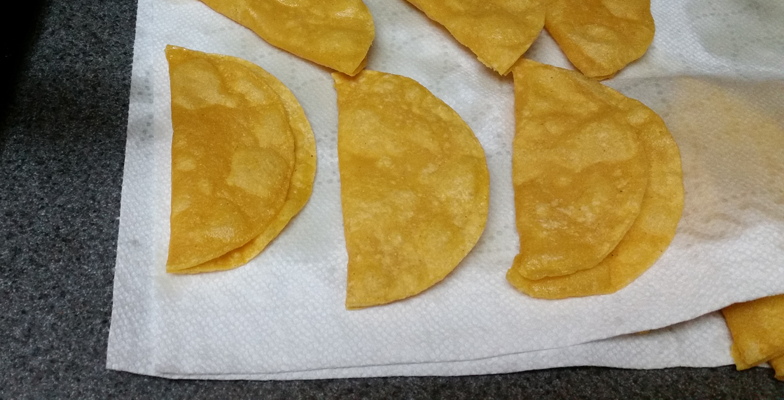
[[334, 33], [600, 37], [757, 329], [497, 31], [300, 187], [233, 156], [649, 236], [778, 366], [578, 168], [414, 187], [740, 363]]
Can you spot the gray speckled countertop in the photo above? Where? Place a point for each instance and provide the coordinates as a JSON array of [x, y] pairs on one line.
[[62, 147]]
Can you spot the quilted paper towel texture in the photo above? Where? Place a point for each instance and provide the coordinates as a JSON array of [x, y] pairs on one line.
[[283, 312], [702, 342]]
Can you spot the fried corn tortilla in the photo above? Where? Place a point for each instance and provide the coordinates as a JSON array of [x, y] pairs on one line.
[[600, 37], [778, 365], [300, 187], [414, 187], [497, 31], [649, 235], [335, 33], [233, 155], [740, 363], [757, 329], [578, 167]]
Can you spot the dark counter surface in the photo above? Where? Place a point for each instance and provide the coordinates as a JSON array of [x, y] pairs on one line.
[[62, 140]]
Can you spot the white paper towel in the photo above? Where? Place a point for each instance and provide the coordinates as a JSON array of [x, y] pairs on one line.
[[702, 342], [713, 73]]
